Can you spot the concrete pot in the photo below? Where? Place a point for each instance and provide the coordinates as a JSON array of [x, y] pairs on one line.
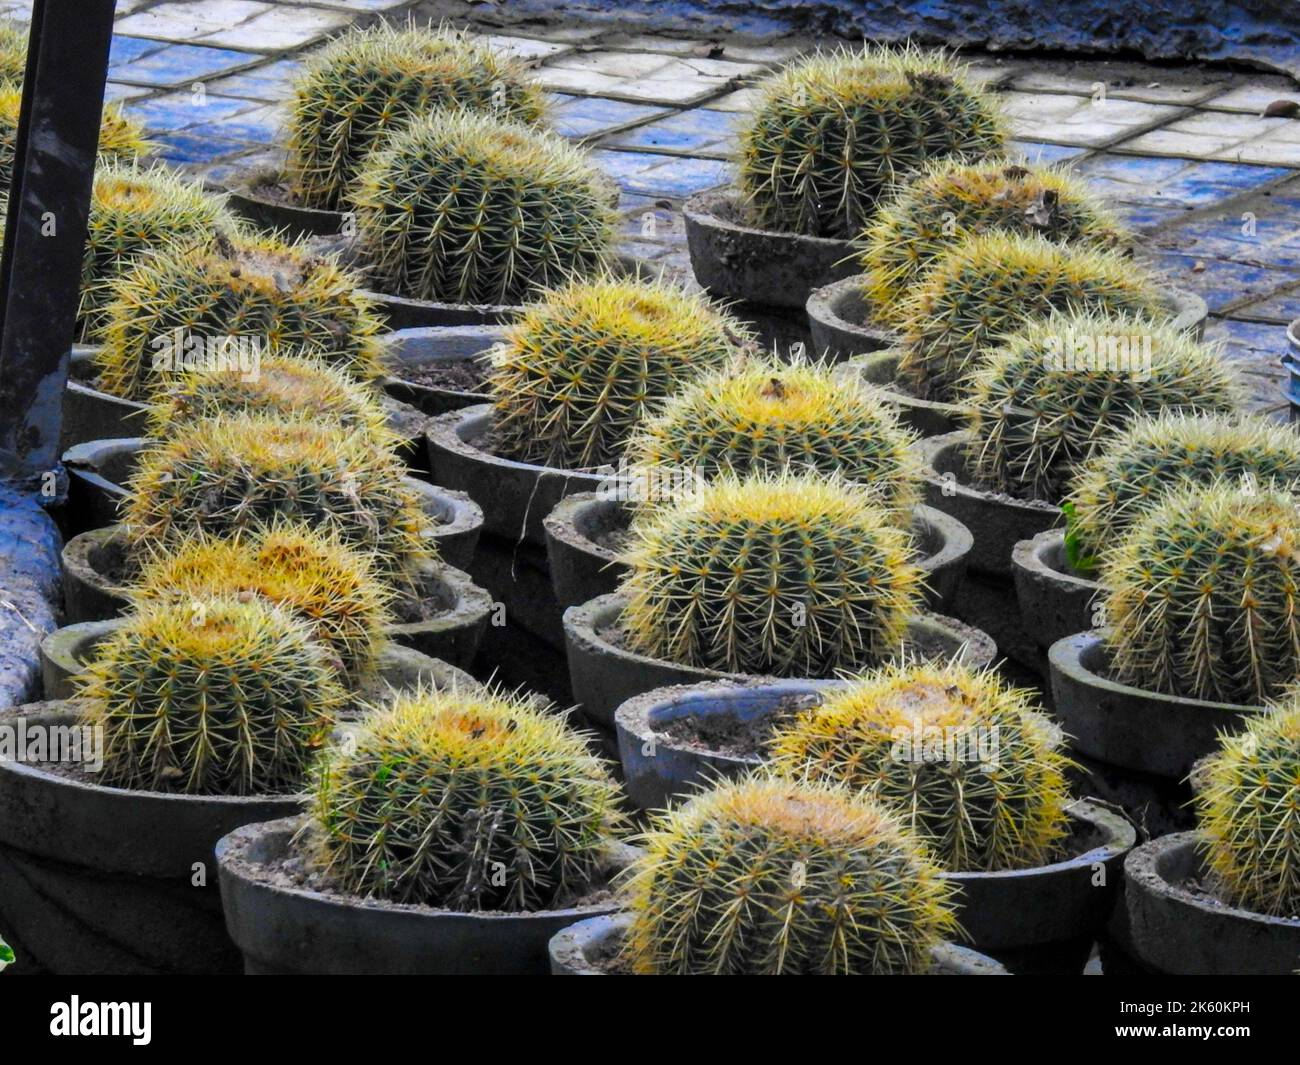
[[65, 652], [580, 950], [98, 470], [605, 676], [110, 881], [1054, 600], [1138, 730], [997, 522], [446, 347], [927, 417], [1177, 931], [287, 929], [841, 322], [582, 568], [254, 202], [762, 266], [515, 496]]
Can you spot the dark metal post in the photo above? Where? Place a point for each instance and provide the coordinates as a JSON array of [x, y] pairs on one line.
[[45, 232]]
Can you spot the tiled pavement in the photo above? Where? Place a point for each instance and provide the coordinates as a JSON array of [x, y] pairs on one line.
[[1182, 152]]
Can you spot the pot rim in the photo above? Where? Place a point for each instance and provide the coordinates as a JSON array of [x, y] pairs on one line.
[[886, 356], [929, 449], [450, 432], [701, 208], [1029, 555]]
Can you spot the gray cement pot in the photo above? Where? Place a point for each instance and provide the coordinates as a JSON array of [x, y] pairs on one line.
[[252, 201], [582, 568], [1178, 931], [997, 522], [515, 496], [1054, 600], [65, 652], [880, 368], [580, 950], [286, 929], [449, 346], [605, 675], [98, 470], [1137, 730], [110, 881], [762, 266], [841, 322]]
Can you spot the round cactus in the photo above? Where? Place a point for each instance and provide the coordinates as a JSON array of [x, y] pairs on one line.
[[13, 53], [467, 208], [965, 760], [469, 801], [1049, 395], [237, 472], [1202, 596], [291, 387], [765, 414], [832, 133], [1137, 467], [1248, 813], [215, 696], [781, 573], [579, 369], [368, 82], [310, 572], [239, 299], [954, 199], [988, 286], [133, 210], [767, 876]]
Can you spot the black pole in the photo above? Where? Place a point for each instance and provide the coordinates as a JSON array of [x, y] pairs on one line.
[[45, 232]]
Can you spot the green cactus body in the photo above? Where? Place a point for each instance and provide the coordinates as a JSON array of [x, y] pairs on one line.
[[1047, 397], [965, 760], [256, 294], [13, 52], [213, 696], [760, 414], [767, 877], [1137, 467], [989, 286], [468, 801], [367, 83], [953, 200], [460, 207], [832, 133], [1248, 813], [1202, 596], [579, 369], [782, 574]]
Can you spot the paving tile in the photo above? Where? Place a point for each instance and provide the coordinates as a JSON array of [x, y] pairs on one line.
[[1088, 79], [1218, 282], [1141, 216], [1282, 306], [647, 42], [583, 116], [180, 110], [114, 91], [588, 82], [526, 47], [1253, 237], [698, 132], [1253, 98], [272, 81], [1226, 135], [622, 65], [1079, 120], [662, 175], [262, 125], [742, 100], [186, 20], [1046, 154], [192, 148], [180, 64], [1156, 181], [289, 26], [128, 49]]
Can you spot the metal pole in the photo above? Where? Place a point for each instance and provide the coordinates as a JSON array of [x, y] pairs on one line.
[[45, 231]]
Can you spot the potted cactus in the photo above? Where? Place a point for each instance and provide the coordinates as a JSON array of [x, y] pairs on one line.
[[928, 215], [827, 138], [193, 718], [780, 574], [437, 369], [1055, 571], [356, 90], [1225, 899], [453, 834]]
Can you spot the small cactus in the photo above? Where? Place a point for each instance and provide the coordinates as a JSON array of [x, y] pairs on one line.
[[466, 208], [310, 572], [213, 697], [468, 801], [1202, 596], [764, 414], [832, 133], [256, 291], [366, 83], [1248, 813], [781, 573], [771, 877], [237, 472], [1050, 395], [964, 759], [954, 199], [579, 368], [989, 286]]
